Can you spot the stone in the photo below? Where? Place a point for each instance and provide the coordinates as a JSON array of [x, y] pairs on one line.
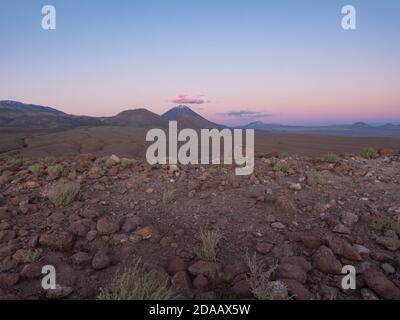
[[388, 268], [106, 227], [200, 282], [175, 265], [8, 280], [295, 186], [85, 157], [349, 219], [289, 271], [278, 225], [342, 229], [131, 224], [101, 260], [377, 282], [389, 243], [242, 289], [181, 282], [311, 242], [342, 248], [298, 261], [146, 232], [234, 269], [59, 241], [297, 290], [386, 152], [59, 292], [206, 268], [80, 228], [362, 250], [324, 260], [264, 247], [283, 250], [367, 294], [81, 258]]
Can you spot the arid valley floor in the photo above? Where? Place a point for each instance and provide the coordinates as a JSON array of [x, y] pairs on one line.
[[282, 233]]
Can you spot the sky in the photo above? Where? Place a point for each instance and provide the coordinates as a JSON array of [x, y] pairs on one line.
[[233, 61]]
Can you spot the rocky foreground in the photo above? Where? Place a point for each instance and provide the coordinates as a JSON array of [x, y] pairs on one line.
[[303, 218]]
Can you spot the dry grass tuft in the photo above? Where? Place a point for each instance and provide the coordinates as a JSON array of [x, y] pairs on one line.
[[209, 244], [63, 192]]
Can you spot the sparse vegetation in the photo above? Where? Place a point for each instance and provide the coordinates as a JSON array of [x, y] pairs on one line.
[[260, 281], [72, 174], [168, 196], [36, 169], [96, 170], [109, 163], [331, 158], [63, 192], [33, 255], [127, 163], [137, 284], [55, 171], [17, 162], [209, 243], [49, 161], [369, 153], [313, 178], [281, 166], [383, 224]]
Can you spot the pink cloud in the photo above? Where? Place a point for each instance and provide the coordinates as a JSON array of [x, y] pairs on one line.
[[183, 98]]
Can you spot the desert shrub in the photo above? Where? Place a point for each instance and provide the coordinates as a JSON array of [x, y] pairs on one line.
[[384, 224], [96, 169], [259, 278], [137, 284], [49, 161], [281, 166], [369, 153], [72, 174], [17, 162], [331, 158], [63, 192], [36, 169], [33, 255], [127, 163], [209, 243], [109, 163], [313, 178], [168, 196], [55, 171]]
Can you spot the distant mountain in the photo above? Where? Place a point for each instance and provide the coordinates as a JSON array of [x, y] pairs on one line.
[[138, 118], [8, 105], [356, 129], [187, 118], [20, 115]]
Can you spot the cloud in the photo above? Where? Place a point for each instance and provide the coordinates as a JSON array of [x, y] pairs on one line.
[[246, 114], [184, 98]]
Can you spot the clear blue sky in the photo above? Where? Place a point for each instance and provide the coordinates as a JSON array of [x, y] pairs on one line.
[[278, 61]]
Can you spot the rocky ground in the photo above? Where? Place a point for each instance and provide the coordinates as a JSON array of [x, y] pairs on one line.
[[306, 216]]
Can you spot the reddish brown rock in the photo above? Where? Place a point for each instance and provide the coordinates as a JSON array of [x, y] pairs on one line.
[[378, 282], [175, 265], [8, 280], [85, 157], [289, 271], [386, 152], [105, 226], [101, 260], [342, 248], [242, 289], [297, 290], [200, 282], [264, 247], [207, 268], [60, 241], [389, 243], [324, 260]]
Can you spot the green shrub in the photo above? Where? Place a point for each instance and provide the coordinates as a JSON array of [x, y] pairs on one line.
[[127, 163], [36, 169], [96, 170], [168, 196], [33, 255], [369, 153], [109, 163], [55, 171], [209, 244], [281, 166], [331, 158], [313, 178], [63, 193], [137, 284], [259, 278]]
